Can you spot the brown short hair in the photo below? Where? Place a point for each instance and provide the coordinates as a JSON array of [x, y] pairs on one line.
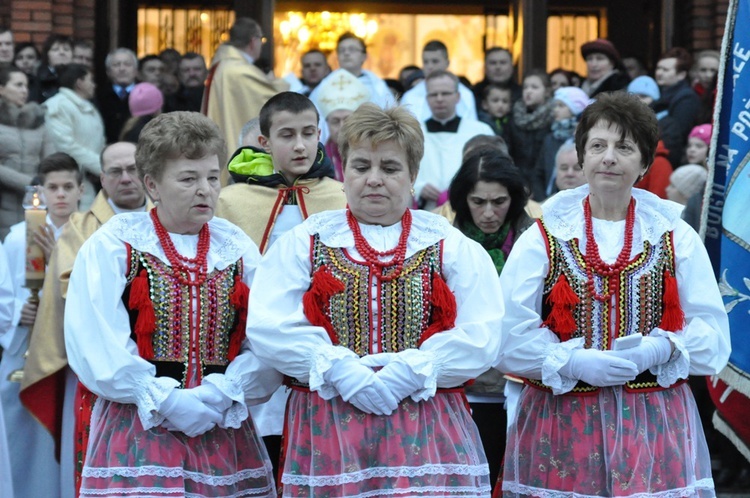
[[177, 134], [59, 161], [631, 117], [370, 122], [684, 59]]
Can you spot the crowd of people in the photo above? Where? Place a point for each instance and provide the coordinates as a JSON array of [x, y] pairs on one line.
[[335, 284]]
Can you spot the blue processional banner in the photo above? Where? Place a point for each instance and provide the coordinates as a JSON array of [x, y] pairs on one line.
[[727, 224]]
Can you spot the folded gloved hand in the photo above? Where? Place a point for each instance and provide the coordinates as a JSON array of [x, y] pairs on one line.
[[358, 385], [400, 379], [650, 352], [213, 397], [186, 412], [599, 368]]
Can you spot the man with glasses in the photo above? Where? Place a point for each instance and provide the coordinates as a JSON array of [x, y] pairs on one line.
[[445, 134], [236, 88], [351, 52], [46, 370]]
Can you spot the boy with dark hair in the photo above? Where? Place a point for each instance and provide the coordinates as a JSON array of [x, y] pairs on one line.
[[32, 448], [275, 190]]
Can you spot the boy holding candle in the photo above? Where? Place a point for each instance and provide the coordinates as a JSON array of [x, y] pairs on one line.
[[32, 450]]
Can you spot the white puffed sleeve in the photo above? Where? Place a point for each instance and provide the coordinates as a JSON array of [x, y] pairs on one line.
[[704, 342], [526, 345], [277, 328], [247, 380], [470, 348], [97, 331]]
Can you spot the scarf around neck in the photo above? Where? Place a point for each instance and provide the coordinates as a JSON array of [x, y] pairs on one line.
[[497, 245], [536, 119], [563, 130]]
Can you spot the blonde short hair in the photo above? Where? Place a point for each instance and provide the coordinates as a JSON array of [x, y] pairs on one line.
[[371, 123]]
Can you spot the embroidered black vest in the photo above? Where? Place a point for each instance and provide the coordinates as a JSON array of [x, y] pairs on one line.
[[404, 304], [637, 307], [171, 340]]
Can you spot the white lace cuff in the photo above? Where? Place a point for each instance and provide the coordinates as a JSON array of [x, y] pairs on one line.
[[323, 359], [557, 355], [678, 366], [421, 363], [148, 398], [231, 388]]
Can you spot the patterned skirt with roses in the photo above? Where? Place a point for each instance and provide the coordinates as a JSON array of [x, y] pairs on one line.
[[610, 443], [123, 459], [430, 448]]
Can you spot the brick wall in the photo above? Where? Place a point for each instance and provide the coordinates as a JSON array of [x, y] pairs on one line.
[[706, 27], [34, 20]]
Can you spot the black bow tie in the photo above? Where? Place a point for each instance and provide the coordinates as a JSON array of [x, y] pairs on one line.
[[434, 126]]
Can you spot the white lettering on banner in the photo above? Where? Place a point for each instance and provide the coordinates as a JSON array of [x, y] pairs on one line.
[[738, 127], [738, 63]]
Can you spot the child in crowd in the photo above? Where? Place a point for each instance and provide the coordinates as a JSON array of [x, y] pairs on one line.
[[145, 102], [530, 122], [496, 105], [697, 147], [275, 189], [569, 103], [32, 448], [645, 88], [686, 186]]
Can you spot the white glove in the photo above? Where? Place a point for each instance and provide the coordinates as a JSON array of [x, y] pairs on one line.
[[185, 412], [598, 368], [213, 397], [650, 352], [358, 385], [400, 379]]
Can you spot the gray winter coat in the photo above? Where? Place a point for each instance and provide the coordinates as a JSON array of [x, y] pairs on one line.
[[23, 144]]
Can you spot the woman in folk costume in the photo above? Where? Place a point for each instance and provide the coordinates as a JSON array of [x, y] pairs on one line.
[[378, 315], [608, 261], [154, 326]]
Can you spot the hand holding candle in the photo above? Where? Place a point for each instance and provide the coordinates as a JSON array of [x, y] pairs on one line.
[[36, 217]]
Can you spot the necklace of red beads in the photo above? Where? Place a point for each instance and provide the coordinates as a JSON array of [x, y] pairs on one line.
[[184, 267], [594, 261], [373, 256]]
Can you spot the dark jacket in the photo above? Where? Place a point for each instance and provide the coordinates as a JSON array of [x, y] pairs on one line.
[[115, 111], [186, 99], [616, 81], [677, 110], [44, 85]]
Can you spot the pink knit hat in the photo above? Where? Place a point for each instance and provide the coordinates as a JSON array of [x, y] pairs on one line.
[[145, 99], [703, 132]]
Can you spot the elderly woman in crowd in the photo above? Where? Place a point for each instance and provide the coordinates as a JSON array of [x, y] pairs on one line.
[[378, 315], [155, 326], [605, 70], [24, 142], [610, 304]]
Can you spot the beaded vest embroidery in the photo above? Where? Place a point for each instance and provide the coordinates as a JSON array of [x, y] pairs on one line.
[[637, 308], [404, 304], [171, 340]]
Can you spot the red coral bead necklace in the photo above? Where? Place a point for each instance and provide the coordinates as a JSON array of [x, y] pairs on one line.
[[184, 266], [373, 256], [594, 262]]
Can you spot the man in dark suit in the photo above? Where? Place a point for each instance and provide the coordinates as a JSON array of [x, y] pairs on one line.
[[122, 67]]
